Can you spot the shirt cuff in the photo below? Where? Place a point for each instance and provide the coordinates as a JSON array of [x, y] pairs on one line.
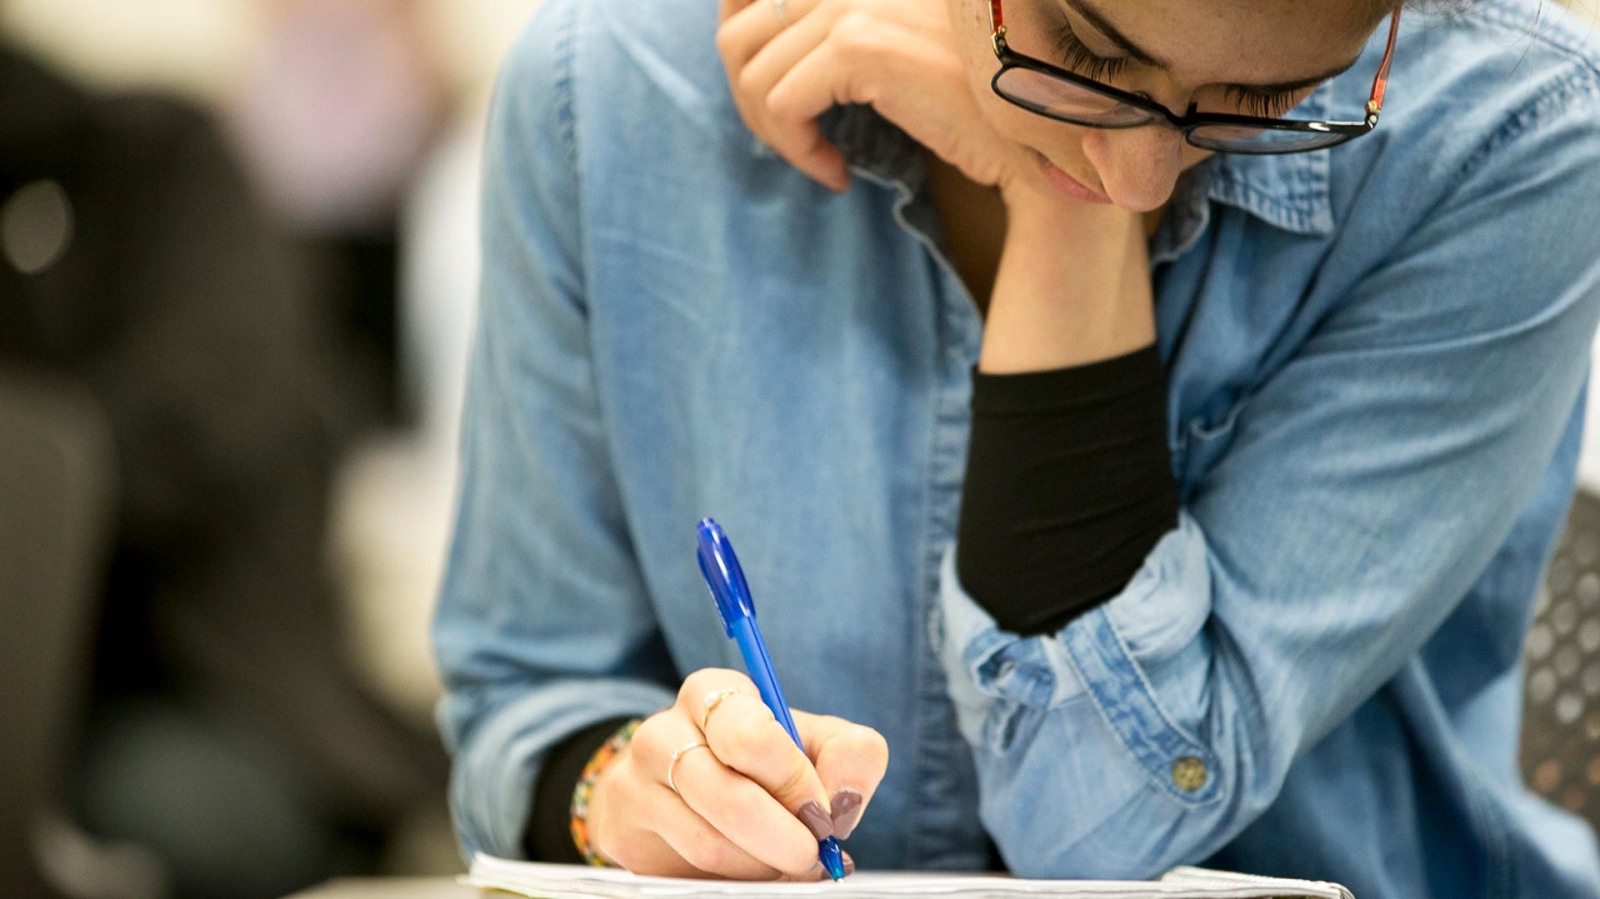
[[1135, 658], [497, 764], [549, 836]]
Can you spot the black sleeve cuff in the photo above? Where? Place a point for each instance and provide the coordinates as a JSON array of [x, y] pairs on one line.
[[549, 834], [1069, 486]]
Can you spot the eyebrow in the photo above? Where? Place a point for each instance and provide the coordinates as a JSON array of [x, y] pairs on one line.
[[1098, 21]]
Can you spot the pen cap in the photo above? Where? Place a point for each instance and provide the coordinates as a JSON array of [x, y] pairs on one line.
[[723, 575]]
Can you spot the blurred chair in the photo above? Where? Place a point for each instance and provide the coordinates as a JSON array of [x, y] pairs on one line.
[[1561, 718], [227, 742], [55, 508]]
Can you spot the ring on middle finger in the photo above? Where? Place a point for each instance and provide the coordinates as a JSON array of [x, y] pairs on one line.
[[712, 700], [679, 753]]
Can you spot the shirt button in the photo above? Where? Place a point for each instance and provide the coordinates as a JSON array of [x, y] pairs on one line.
[[1189, 773]]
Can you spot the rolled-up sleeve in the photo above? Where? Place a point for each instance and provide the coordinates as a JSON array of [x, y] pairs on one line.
[[1367, 483], [543, 625]]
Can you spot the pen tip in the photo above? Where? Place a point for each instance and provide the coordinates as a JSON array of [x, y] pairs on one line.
[[832, 858]]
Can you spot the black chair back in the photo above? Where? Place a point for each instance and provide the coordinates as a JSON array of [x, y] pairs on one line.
[[55, 500], [1561, 694]]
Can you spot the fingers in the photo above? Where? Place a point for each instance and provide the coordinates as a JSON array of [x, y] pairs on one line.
[[703, 684], [810, 87], [797, 139], [718, 821], [750, 816], [645, 852], [764, 793], [801, 144], [753, 37], [726, 8], [780, 54], [850, 760], [748, 803], [748, 739], [748, 26], [708, 847], [662, 836]]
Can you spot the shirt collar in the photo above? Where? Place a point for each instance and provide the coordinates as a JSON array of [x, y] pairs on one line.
[[1289, 192], [875, 147]]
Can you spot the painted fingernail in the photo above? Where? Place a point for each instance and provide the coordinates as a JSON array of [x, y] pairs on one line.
[[816, 820], [847, 806]]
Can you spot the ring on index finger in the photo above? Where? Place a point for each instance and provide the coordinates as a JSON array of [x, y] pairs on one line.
[[712, 700], [781, 7]]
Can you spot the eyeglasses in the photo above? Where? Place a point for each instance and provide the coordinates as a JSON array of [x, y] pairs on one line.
[[1067, 96]]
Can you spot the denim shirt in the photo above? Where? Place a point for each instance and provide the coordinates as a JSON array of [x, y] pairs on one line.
[[1375, 355]]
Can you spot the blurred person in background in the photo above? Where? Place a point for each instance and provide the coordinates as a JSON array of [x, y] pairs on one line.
[[224, 732], [337, 114]]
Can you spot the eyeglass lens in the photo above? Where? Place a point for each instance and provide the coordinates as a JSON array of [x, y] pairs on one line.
[[1046, 94]]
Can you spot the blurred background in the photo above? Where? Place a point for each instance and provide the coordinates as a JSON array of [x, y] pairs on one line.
[[238, 265], [238, 270]]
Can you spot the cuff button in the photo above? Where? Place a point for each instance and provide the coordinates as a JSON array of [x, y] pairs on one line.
[[1189, 773]]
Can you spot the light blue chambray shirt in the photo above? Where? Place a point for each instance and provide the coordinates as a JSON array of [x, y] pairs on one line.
[[1376, 355]]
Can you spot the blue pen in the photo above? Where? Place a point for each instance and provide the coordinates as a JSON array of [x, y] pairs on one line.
[[726, 580]]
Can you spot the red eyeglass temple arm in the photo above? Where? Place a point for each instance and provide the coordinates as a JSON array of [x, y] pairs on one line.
[[1380, 83]]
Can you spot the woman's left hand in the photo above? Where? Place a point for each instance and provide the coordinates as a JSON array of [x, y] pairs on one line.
[[789, 61], [1073, 285]]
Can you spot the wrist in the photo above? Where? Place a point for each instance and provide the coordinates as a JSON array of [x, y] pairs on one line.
[[1073, 287], [588, 796]]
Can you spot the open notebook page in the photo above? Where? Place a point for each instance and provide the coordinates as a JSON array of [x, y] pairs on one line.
[[543, 881]]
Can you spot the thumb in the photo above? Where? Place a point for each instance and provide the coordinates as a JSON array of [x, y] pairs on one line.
[[850, 759]]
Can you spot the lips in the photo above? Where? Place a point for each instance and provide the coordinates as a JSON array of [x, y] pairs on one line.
[[1068, 185]]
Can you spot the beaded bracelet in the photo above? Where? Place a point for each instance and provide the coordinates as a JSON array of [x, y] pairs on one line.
[[580, 794]]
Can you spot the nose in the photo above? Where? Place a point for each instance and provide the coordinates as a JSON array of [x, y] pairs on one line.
[[1138, 166]]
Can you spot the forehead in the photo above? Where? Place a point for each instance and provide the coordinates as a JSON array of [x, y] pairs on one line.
[[1249, 40]]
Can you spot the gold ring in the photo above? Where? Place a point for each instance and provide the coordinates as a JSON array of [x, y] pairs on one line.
[[678, 754], [712, 700]]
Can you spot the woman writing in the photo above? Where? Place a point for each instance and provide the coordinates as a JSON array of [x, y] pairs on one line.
[[1117, 423]]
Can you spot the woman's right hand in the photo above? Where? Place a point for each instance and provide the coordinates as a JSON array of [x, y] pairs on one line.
[[748, 805]]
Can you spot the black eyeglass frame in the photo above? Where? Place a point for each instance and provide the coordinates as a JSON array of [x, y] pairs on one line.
[[1192, 120]]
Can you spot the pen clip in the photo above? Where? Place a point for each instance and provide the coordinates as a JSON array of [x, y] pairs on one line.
[[724, 577]]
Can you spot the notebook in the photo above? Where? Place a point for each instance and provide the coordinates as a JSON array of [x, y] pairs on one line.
[[542, 881]]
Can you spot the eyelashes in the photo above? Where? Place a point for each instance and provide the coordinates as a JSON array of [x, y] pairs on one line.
[[1080, 60], [1266, 106], [1245, 101]]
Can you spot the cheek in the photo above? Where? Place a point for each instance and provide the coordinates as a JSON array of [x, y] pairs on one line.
[[1193, 156], [1062, 143]]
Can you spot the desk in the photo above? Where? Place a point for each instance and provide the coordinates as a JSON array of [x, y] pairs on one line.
[[390, 888]]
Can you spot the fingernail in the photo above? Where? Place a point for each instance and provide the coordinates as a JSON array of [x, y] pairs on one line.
[[849, 865], [816, 820], [847, 805]]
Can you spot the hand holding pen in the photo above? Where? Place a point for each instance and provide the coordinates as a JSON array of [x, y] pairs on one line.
[[714, 785]]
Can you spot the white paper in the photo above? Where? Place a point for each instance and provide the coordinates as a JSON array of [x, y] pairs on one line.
[[542, 881]]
